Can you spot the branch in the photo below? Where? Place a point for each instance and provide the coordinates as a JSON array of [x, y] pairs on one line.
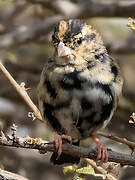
[[89, 8], [22, 91], [44, 146], [117, 139]]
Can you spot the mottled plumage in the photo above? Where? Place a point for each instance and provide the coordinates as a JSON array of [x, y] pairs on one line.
[[80, 84]]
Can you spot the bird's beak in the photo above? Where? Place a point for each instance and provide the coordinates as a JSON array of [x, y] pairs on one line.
[[63, 50]]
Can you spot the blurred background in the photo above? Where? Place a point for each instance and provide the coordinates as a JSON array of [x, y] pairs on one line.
[[25, 44]]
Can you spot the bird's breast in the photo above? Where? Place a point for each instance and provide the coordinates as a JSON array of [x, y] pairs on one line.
[[76, 104]]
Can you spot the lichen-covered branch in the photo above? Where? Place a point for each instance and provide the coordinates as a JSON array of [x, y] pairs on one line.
[[44, 146]]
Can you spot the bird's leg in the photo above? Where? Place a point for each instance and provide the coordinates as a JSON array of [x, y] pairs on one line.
[[58, 141], [102, 151]]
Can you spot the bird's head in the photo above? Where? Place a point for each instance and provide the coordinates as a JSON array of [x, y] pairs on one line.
[[76, 42]]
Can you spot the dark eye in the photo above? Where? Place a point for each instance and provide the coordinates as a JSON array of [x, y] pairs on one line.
[[79, 41]]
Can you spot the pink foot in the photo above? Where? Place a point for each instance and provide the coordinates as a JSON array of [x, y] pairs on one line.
[[102, 151], [58, 141]]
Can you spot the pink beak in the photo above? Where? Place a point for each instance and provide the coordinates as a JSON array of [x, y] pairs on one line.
[[63, 50]]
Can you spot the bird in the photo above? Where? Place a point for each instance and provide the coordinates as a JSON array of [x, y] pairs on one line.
[[79, 88]]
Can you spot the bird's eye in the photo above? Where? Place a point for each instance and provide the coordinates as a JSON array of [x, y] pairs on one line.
[[79, 41]]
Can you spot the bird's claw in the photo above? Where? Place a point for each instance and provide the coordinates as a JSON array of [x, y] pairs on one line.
[[58, 142], [102, 151]]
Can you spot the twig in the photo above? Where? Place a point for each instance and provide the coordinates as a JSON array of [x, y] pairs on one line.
[[22, 92], [100, 169], [45, 146], [118, 139]]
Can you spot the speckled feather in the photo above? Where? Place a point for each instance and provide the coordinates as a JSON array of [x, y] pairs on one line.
[[78, 94]]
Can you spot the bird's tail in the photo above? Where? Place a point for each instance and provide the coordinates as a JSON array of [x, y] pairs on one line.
[[65, 158]]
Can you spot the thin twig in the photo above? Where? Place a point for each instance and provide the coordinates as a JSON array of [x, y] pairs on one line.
[[100, 169], [22, 92], [118, 139]]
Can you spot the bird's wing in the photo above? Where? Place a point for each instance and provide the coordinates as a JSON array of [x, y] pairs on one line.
[[42, 91]]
